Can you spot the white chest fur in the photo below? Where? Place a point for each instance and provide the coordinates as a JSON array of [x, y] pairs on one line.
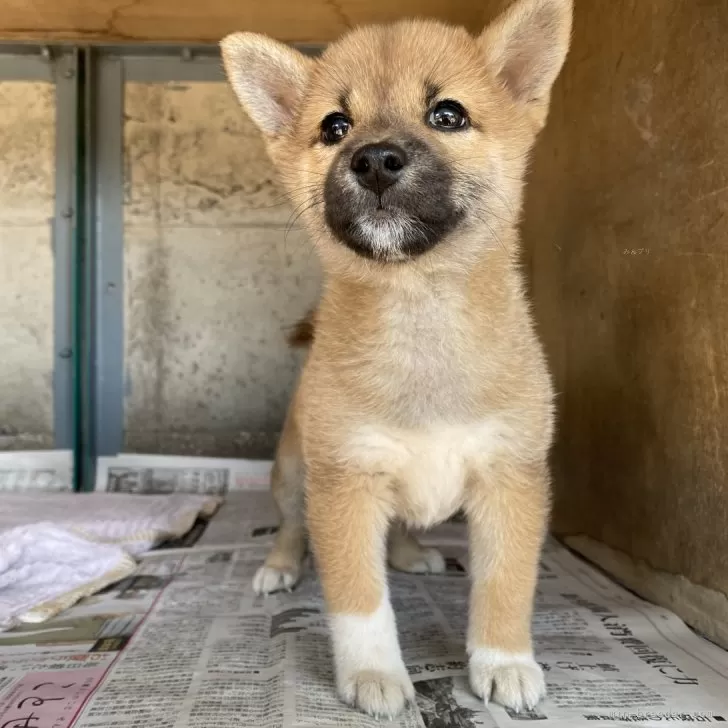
[[419, 366], [429, 468]]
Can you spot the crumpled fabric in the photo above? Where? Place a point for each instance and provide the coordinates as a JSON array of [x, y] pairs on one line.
[[45, 568], [56, 548]]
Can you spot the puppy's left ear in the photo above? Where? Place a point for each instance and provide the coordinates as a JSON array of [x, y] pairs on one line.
[[525, 49], [268, 77]]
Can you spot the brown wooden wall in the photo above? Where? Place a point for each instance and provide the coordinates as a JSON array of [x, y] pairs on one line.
[[627, 237], [206, 21]]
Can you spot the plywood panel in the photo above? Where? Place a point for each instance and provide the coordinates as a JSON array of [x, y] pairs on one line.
[[627, 233], [191, 21]]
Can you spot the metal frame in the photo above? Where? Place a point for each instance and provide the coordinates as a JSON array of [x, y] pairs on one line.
[[185, 67], [107, 267], [65, 69], [88, 229], [17, 65], [57, 66], [114, 67]]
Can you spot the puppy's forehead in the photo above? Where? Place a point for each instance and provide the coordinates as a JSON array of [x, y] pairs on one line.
[[398, 66]]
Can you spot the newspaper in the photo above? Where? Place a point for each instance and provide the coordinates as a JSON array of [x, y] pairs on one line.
[[52, 470], [36, 470], [185, 643], [160, 474]]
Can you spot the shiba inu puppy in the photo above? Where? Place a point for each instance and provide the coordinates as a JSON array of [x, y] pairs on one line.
[[425, 389]]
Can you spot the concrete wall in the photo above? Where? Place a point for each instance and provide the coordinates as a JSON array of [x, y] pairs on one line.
[[214, 277], [27, 118]]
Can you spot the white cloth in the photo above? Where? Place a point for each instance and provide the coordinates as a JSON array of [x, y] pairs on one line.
[[56, 548], [135, 522], [44, 569]]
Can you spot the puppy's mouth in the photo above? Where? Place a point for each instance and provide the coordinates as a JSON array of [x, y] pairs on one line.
[[390, 234], [394, 205]]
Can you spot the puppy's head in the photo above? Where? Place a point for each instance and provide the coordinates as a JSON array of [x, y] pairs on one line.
[[405, 139]]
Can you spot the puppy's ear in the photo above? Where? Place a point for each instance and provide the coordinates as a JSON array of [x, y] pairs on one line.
[[525, 49], [268, 78]]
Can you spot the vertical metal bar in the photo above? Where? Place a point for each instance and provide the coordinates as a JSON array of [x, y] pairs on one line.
[[108, 249], [97, 262], [65, 414], [84, 217], [98, 254]]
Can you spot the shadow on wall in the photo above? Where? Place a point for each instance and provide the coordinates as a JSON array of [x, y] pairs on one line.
[[626, 231]]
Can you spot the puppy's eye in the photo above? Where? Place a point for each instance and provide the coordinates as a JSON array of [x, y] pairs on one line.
[[334, 128], [448, 116]]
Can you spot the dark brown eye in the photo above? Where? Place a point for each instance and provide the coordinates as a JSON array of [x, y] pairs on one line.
[[448, 116], [334, 128]]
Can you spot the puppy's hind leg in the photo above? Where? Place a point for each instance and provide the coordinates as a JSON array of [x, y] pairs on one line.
[[407, 554], [282, 567]]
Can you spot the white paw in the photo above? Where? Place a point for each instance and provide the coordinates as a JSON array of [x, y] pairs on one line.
[[380, 694], [430, 561], [370, 673], [269, 579], [514, 680]]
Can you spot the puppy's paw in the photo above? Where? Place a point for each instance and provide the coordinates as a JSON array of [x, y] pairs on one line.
[[370, 672], [514, 680], [427, 561], [380, 694], [269, 579]]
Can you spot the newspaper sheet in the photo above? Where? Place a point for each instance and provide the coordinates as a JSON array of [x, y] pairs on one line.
[[36, 470], [160, 474], [52, 470], [184, 643]]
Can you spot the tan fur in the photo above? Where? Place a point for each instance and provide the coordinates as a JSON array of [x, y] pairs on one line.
[[287, 488], [507, 512], [425, 389]]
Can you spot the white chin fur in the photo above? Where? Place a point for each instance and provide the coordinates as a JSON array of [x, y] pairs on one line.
[[386, 236]]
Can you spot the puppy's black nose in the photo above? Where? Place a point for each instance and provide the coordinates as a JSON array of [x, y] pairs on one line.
[[378, 166]]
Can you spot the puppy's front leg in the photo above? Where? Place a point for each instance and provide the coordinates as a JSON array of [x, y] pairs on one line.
[[349, 517], [507, 514]]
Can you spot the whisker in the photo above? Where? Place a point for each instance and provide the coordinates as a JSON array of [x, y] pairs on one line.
[[312, 204]]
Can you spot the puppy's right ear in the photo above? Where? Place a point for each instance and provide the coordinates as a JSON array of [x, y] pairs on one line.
[[525, 49], [268, 78]]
